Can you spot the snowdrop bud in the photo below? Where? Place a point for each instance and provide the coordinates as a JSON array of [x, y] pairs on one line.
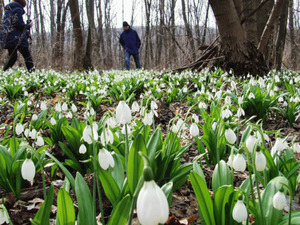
[[152, 205], [34, 117], [64, 107], [240, 100], [239, 163], [260, 161], [296, 147], [180, 124], [58, 107], [279, 145], [251, 96], [148, 118], [175, 128], [123, 113], [214, 126], [25, 93], [240, 112], [19, 129], [87, 133], [82, 149], [105, 159], [135, 107], [250, 142], [26, 132], [230, 160], [52, 121], [92, 112], [153, 105], [33, 134], [74, 108], [202, 105], [40, 141], [3, 216], [194, 130], [28, 169], [239, 213], [195, 118], [29, 103], [230, 136], [69, 115], [279, 200]]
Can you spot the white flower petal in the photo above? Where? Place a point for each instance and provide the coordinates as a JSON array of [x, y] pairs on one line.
[[28, 170]]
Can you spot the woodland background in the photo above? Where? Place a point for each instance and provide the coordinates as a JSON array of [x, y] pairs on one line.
[[82, 34]]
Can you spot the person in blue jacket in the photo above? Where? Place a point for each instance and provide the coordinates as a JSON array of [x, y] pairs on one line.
[[131, 43], [14, 34]]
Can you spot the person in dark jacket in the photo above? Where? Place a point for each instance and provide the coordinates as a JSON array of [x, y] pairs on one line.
[[131, 43], [14, 34]]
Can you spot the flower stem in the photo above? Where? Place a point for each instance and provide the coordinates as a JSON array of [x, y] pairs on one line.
[[259, 197], [126, 145]]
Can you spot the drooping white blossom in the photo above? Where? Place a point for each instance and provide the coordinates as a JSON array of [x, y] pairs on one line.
[[260, 161], [19, 129], [239, 213], [28, 170], [123, 113], [82, 149], [239, 163], [279, 200], [194, 130], [105, 159], [230, 136]]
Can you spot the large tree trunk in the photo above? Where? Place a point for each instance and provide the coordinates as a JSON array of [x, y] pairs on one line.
[[148, 4], [43, 32], [78, 36], [52, 21], [172, 49], [280, 41], [1, 11], [101, 35], [240, 55], [205, 26], [250, 25]]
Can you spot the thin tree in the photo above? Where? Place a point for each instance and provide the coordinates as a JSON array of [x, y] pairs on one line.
[[293, 54]]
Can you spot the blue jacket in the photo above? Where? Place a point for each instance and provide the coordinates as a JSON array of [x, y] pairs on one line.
[[130, 41], [13, 30]]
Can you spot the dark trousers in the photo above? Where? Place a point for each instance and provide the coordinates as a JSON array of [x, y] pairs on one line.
[[13, 56], [136, 60]]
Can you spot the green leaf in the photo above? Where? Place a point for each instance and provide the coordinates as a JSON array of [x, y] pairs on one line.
[[203, 197], [221, 201], [197, 169], [295, 219], [154, 144], [121, 212], [168, 190], [73, 137], [221, 176], [135, 162], [65, 208], [110, 186], [43, 215], [117, 171], [86, 214]]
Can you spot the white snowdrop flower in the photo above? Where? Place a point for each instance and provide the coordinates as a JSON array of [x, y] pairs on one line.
[[271, 93], [277, 79], [152, 205], [40, 141], [202, 105], [291, 82], [123, 113], [240, 100], [279, 200], [19, 129], [296, 147], [25, 93], [52, 121], [230, 136], [74, 108], [194, 130], [180, 124], [214, 126], [111, 122], [29, 103], [226, 113], [26, 132], [279, 145], [43, 106], [34, 117], [69, 115], [240, 112], [135, 107], [58, 107], [3, 216], [153, 105], [28, 170], [185, 90], [251, 96], [230, 160], [92, 112], [227, 100], [33, 134], [239, 163], [218, 94], [250, 142], [239, 213], [195, 118], [82, 149], [148, 119], [284, 104], [280, 99], [260, 161], [87, 134], [175, 128], [107, 137], [105, 159]]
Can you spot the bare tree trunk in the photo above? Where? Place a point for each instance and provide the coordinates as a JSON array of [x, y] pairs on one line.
[[205, 25], [172, 49], [101, 35], [37, 23], [240, 55], [43, 32], [238, 6], [52, 21], [78, 36], [262, 17], [132, 12], [1, 10], [280, 41], [62, 36], [91, 34], [107, 10], [250, 24], [293, 55], [264, 40], [148, 4], [188, 30], [161, 34]]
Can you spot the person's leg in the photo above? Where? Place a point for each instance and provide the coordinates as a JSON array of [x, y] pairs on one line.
[[137, 60], [12, 58], [27, 57], [127, 60]]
